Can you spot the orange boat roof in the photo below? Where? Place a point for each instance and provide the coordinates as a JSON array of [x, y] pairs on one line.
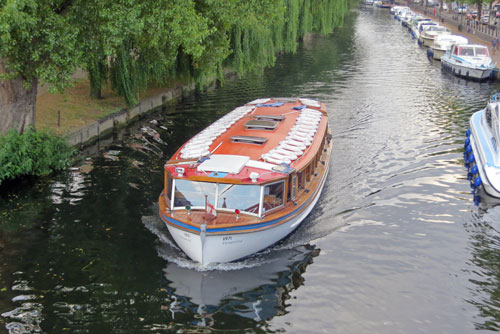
[[259, 135]]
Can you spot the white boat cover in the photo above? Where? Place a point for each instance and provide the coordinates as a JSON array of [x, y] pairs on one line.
[[224, 163]]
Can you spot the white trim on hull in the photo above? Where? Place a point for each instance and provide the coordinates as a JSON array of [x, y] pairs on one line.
[[220, 248]]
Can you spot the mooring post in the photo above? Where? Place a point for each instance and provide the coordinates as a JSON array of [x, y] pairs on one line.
[[59, 118]]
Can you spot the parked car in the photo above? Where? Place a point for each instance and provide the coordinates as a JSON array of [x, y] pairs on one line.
[[485, 19], [462, 10]]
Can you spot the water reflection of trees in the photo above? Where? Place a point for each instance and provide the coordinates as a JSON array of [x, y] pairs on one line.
[[485, 246]]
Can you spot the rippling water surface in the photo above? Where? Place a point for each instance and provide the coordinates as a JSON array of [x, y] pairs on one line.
[[395, 244]]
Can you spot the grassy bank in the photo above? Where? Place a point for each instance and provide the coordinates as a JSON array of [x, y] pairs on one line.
[[77, 109]]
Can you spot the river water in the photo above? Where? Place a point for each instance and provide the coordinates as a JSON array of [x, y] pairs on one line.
[[394, 245]]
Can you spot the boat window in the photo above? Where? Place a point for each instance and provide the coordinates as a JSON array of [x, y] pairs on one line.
[[168, 188], [466, 51], [300, 180], [488, 116], [455, 50], [481, 52], [193, 193], [273, 195], [245, 198]]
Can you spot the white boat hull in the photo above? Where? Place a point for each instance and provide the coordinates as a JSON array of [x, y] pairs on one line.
[[426, 41], [219, 248], [437, 53], [467, 72], [483, 150]]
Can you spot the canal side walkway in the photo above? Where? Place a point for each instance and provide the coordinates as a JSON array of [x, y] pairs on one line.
[[477, 33]]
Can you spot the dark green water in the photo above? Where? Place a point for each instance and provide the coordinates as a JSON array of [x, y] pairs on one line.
[[395, 244]]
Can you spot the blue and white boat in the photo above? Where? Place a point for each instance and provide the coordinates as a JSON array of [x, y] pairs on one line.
[[470, 61], [482, 151]]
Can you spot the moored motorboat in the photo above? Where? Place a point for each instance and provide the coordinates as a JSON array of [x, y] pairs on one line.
[[482, 151], [430, 32], [398, 11], [412, 24], [418, 27], [406, 18], [248, 180], [470, 61], [442, 43]]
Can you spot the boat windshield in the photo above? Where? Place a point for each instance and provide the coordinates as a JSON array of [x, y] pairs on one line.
[[245, 198], [466, 51], [482, 52], [193, 193]]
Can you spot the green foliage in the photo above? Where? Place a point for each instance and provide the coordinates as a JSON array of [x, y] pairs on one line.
[[194, 40], [32, 153], [37, 42], [257, 38], [134, 43]]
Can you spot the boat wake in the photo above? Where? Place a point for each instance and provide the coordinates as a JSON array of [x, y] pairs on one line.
[[169, 251]]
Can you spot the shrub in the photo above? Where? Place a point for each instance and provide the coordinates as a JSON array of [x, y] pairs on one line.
[[32, 153]]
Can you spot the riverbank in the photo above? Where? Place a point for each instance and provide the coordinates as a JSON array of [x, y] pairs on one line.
[[82, 119]]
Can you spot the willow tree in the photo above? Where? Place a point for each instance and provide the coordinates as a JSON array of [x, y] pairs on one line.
[[130, 42], [140, 42], [37, 44], [255, 44], [135, 43]]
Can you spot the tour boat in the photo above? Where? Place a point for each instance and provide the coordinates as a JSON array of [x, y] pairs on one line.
[[430, 32], [442, 43], [482, 155], [248, 180], [471, 61]]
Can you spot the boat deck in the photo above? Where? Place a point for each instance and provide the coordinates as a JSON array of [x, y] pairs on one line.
[[228, 219]]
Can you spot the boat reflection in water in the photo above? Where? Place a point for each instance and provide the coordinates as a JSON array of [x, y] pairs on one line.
[[257, 291]]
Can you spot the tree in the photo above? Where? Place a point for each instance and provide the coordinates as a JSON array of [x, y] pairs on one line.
[[134, 43], [37, 43]]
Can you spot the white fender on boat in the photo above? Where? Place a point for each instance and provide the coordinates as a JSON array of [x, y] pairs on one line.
[[288, 154], [296, 149], [274, 160]]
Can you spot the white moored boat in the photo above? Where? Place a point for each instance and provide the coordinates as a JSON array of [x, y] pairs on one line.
[[406, 18], [418, 27], [442, 43], [248, 180], [470, 61], [430, 32], [482, 151]]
